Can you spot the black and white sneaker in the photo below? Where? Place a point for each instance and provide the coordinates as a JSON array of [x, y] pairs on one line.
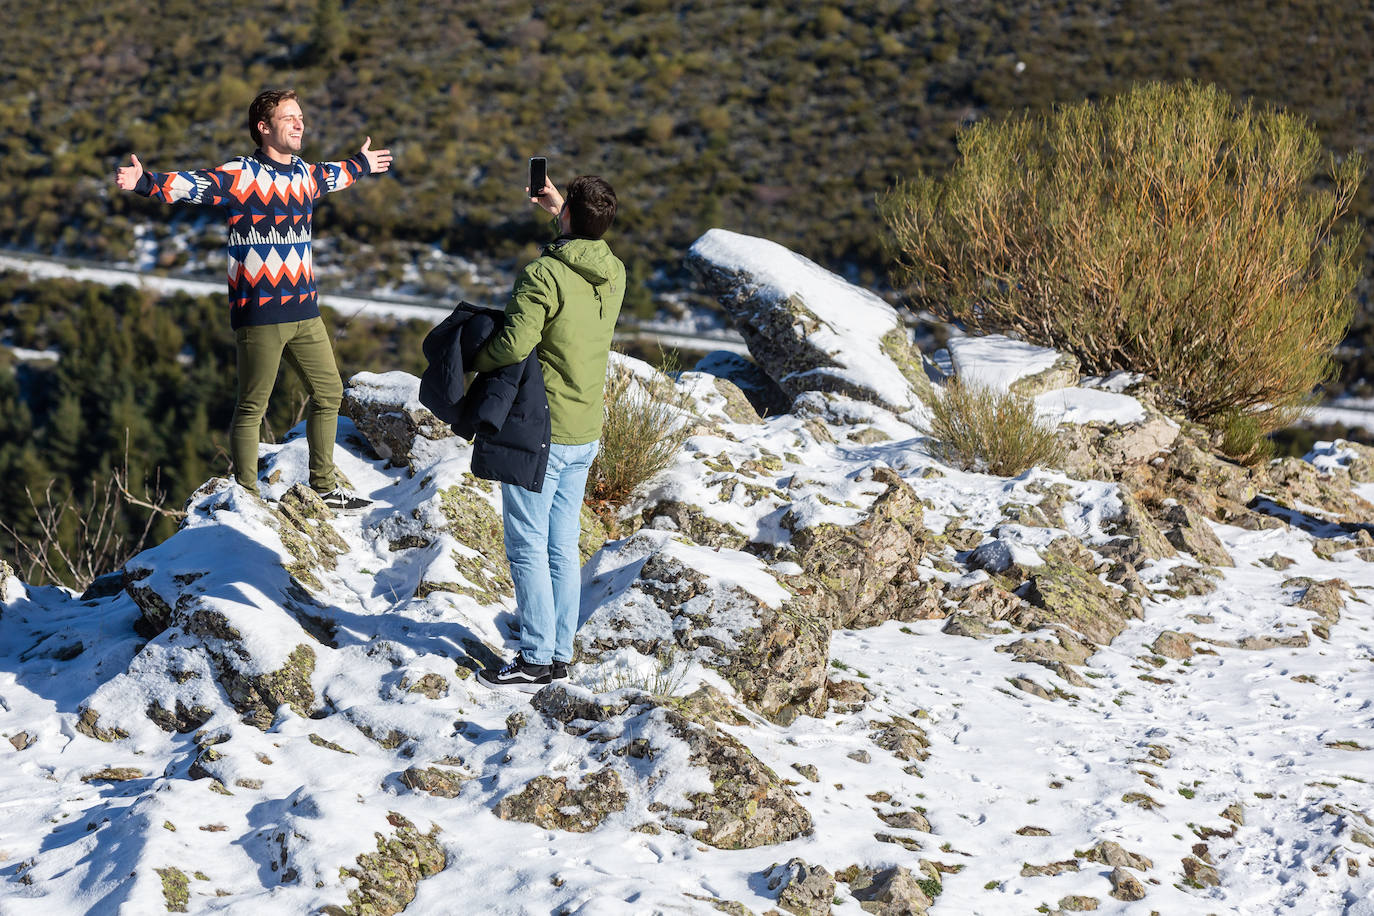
[[519, 674], [558, 670], [342, 501]]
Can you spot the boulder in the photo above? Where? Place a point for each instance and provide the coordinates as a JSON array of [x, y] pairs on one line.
[[806, 890], [1126, 886], [893, 891], [1172, 645], [807, 328], [386, 409]]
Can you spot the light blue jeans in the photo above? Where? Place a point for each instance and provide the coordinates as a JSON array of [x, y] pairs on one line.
[[542, 531]]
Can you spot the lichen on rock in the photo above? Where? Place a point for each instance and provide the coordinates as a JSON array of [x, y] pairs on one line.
[[388, 878], [550, 803], [474, 523]]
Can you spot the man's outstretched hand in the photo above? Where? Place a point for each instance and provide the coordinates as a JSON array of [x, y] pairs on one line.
[[126, 177], [378, 160]]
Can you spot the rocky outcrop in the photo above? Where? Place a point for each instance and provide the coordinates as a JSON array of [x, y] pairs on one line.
[[1063, 593], [306, 528], [748, 804], [806, 327], [479, 552], [386, 409], [868, 569], [772, 647], [1298, 486]]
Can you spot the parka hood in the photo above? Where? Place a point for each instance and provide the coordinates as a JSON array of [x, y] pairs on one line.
[[591, 259]]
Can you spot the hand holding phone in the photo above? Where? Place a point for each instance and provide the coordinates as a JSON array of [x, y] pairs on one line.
[[539, 176]]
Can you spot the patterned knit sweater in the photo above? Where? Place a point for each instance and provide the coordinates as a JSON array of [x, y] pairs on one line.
[[270, 207]]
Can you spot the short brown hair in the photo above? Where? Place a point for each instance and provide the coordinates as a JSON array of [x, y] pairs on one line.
[[263, 107], [591, 206]]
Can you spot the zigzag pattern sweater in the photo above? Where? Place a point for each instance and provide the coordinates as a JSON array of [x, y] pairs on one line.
[[270, 208]]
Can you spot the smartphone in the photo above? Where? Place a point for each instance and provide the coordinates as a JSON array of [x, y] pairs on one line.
[[538, 175]]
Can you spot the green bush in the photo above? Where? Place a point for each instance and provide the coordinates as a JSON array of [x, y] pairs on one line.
[[1165, 231], [980, 429], [643, 432]]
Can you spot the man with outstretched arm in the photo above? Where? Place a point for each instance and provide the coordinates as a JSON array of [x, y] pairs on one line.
[[565, 304], [270, 198]]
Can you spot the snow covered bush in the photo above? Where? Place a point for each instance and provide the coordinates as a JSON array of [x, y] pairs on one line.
[[1165, 231], [983, 429]]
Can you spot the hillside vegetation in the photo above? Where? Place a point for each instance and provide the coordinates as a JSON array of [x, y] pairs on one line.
[[778, 121]]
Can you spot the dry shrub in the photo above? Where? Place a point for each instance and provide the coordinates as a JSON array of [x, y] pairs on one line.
[[981, 429], [644, 430], [1164, 231]]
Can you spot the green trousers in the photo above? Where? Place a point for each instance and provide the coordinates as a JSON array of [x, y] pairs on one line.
[[305, 347]]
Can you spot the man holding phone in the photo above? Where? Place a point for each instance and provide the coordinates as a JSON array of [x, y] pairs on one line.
[[565, 304], [270, 199]]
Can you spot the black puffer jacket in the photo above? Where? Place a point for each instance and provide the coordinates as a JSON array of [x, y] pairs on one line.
[[506, 410]]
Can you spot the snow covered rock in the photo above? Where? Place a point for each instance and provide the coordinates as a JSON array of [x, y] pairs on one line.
[[868, 568], [805, 890], [660, 595], [739, 803], [387, 879], [808, 328], [386, 409], [472, 559], [1001, 364], [893, 891]]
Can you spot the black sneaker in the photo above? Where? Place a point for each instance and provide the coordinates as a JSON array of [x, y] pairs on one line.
[[519, 674], [342, 501], [558, 670]]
